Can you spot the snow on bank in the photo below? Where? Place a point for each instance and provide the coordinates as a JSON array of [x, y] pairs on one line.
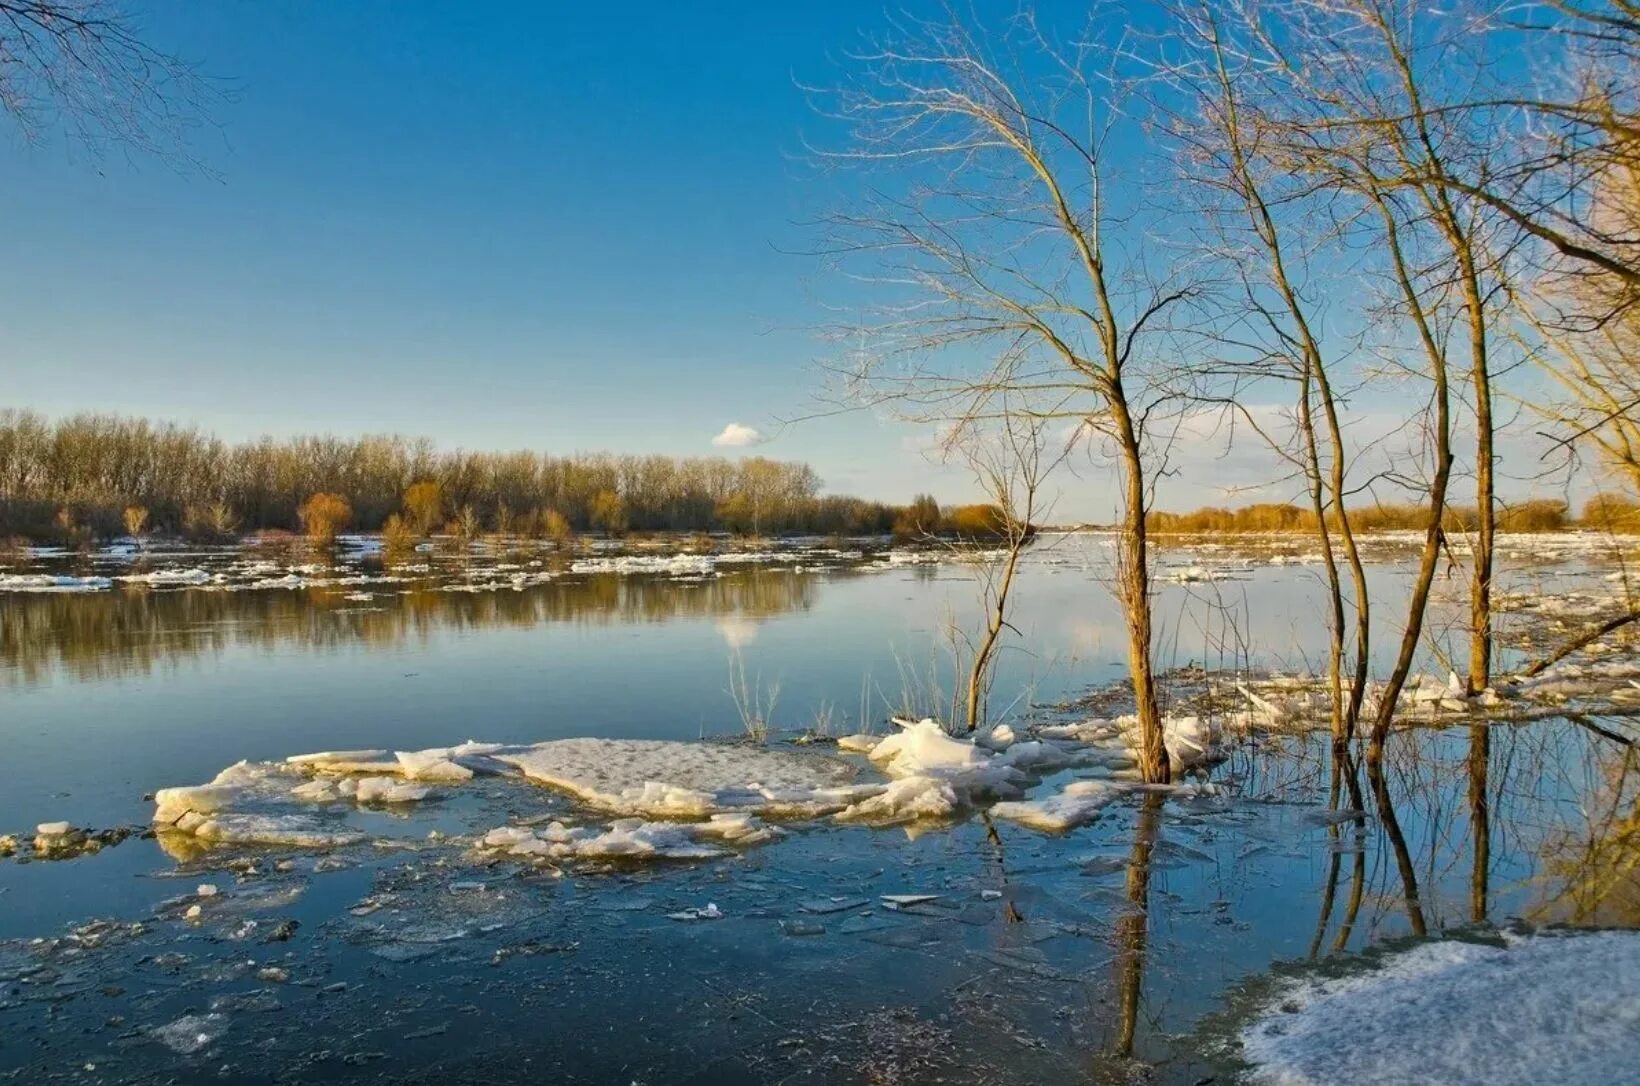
[[1553, 1007]]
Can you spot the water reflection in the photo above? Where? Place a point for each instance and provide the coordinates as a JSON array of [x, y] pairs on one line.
[[106, 635], [1133, 926], [1480, 821]]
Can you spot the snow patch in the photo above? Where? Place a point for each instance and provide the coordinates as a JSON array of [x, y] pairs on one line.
[[1561, 1008]]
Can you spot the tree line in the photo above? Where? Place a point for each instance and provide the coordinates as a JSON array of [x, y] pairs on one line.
[[77, 477], [1602, 512]]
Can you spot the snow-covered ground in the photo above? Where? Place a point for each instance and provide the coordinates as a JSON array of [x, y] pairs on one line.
[[1557, 1008]]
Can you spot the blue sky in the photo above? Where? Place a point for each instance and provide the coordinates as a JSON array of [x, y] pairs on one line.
[[557, 226], [553, 226]]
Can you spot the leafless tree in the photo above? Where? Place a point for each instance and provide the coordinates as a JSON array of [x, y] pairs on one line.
[[1014, 269], [1219, 96], [1011, 460], [84, 67]]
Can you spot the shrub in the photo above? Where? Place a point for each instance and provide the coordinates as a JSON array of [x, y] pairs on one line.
[[424, 504], [1612, 513], [555, 526], [608, 512], [397, 535], [136, 520], [323, 515], [464, 525], [1537, 515]]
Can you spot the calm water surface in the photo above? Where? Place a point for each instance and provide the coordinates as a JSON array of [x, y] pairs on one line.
[[1071, 956]]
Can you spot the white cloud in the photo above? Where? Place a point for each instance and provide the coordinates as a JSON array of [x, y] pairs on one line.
[[737, 436]]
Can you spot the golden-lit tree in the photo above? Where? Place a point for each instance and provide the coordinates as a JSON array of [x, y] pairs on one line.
[[324, 515], [608, 513], [424, 505], [135, 518]]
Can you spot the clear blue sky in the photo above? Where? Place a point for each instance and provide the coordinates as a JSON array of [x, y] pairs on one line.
[[556, 226]]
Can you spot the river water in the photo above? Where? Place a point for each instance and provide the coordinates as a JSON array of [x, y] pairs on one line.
[[1118, 949]]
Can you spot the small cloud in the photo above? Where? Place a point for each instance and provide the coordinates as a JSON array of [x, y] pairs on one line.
[[736, 436]]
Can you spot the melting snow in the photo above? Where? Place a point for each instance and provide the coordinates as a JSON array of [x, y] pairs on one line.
[[1561, 1008]]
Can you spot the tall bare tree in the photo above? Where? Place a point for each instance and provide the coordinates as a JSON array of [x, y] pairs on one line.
[[1018, 269], [1216, 107]]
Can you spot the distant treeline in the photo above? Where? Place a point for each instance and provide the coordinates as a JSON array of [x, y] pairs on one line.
[[1536, 515], [97, 476]]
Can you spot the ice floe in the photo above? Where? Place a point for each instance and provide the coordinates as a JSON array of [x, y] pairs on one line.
[[630, 839], [162, 578], [668, 798], [699, 565], [1077, 803], [47, 582]]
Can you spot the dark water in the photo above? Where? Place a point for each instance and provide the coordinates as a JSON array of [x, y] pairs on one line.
[[1092, 956]]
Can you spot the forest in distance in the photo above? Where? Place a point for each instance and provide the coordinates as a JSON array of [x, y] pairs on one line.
[[90, 477]]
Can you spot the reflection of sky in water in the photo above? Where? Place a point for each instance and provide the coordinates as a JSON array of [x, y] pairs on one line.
[[110, 696]]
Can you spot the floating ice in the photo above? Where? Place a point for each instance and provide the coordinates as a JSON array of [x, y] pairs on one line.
[[657, 778], [1079, 802], [905, 800], [630, 838], [192, 1032], [676, 564], [160, 578], [1561, 1008], [45, 582]]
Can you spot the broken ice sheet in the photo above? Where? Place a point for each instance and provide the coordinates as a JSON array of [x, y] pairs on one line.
[[192, 1032], [823, 905]]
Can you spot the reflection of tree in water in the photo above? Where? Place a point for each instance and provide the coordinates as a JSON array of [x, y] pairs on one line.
[[132, 631], [1592, 865], [1133, 927]]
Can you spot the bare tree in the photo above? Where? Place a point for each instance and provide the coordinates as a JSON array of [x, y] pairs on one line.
[[1011, 460], [1216, 109], [1018, 276], [84, 67]]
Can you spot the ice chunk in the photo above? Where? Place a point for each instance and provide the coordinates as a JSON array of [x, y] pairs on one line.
[[629, 838], [165, 577], [675, 564], [1562, 1008], [709, 912], [386, 790], [924, 749], [1077, 803], [423, 765], [253, 829], [905, 800], [45, 582], [656, 778], [226, 789], [859, 742], [192, 1032]]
